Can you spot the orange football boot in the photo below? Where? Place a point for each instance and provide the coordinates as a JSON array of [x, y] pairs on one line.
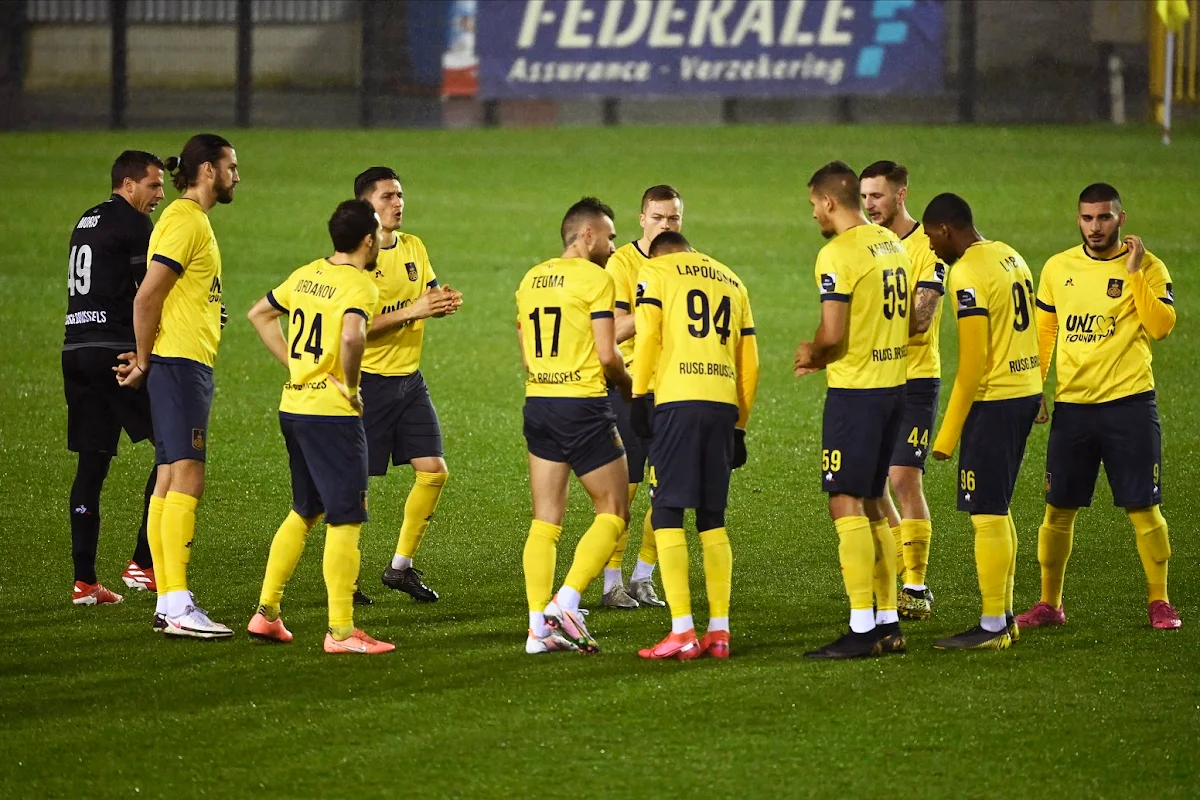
[[715, 644], [681, 646]]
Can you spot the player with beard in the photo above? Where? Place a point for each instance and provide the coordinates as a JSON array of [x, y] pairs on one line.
[[177, 325], [1102, 303], [884, 190], [569, 350]]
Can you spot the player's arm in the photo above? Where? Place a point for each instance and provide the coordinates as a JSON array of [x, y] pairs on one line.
[[747, 375], [147, 315], [924, 310], [624, 324], [648, 347], [624, 308], [265, 316], [972, 361], [827, 343], [610, 356], [436, 301], [354, 342], [1154, 303]]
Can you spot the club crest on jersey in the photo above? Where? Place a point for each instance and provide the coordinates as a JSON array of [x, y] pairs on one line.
[[939, 271], [1115, 285], [197, 438], [966, 299], [411, 266], [828, 281]]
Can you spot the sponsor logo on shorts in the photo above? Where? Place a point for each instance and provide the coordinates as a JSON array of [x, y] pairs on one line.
[[362, 499], [1115, 285], [197, 438], [966, 299], [616, 438], [828, 281], [411, 266], [1047, 481]]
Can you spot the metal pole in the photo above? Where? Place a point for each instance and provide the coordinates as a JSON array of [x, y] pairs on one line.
[[1168, 87], [967, 46], [366, 62], [119, 63], [245, 52]]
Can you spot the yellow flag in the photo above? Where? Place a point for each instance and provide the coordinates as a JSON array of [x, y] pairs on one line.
[[1173, 13]]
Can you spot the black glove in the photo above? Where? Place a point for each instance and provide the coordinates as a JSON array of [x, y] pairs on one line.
[[639, 416], [739, 448], [224, 315]]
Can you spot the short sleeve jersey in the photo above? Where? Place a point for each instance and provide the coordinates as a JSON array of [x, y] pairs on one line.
[[316, 298], [625, 265], [868, 267], [924, 356], [556, 303], [705, 313], [992, 280], [1103, 350], [184, 241], [106, 264], [403, 274]]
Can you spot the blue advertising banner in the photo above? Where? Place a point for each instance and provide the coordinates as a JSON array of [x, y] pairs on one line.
[[615, 48]]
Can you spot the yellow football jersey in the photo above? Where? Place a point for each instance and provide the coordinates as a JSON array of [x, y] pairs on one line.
[[183, 240], [701, 310], [1103, 350], [556, 303], [402, 275], [315, 298], [624, 265], [992, 280], [868, 267], [924, 356]]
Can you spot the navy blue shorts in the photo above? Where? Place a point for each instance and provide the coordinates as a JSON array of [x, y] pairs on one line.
[[400, 420], [858, 434], [181, 395], [328, 460], [916, 426], [1125, 435], [993, 446], [691, 455], [637, 449], [97, 408], [580, 431]]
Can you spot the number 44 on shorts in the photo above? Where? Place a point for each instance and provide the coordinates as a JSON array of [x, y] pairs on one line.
[[918, 438]]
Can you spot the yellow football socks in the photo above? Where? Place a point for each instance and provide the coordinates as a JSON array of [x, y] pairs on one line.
[[648, 554], [340, 567], [898, 536], [993, 554], [541, 552], [1011, 578], [1054, 548], [154, 536], [884, 572], [618, 553], [1154, 548], [418, 510], [673, 561], [286, 549], [178, 528], [593, 550], [718, 571], [856, 551], [915, 534]]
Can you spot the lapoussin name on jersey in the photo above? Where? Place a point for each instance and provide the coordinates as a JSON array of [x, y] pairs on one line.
[[706, 368], [705, 272], [890, 353]]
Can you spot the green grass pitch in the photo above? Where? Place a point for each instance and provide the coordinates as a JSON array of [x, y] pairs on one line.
[[92, 704]]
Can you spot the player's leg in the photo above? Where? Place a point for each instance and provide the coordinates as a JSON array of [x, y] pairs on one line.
[[139, 574], [641, 580], [887, 619], [181, 398], [92, 433], [906, 476], [132, 408], [288, 543], [1132, 455], [1073, 456], [855, 444], [335, 450], [615, 595], [154, 512], [714, 537], [419, 442]]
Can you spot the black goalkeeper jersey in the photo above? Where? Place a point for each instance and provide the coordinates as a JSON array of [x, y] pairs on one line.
[[107, 263]]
